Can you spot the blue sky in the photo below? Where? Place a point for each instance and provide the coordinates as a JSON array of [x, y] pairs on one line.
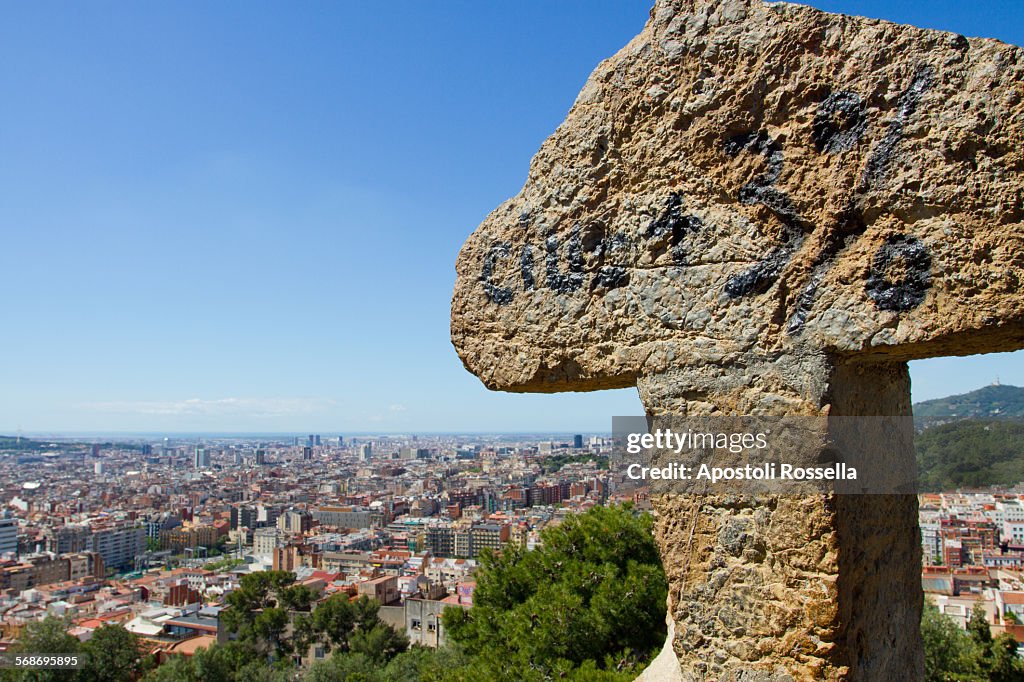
[[244, 216]]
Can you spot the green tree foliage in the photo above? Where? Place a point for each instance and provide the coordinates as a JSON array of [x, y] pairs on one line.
[[948, 651], [333, 621], [112, 654], [422, 664], [592, 597], [177, 669], [47, 636], [345, 667], [337, 623], [275, 620], [970, 453], [379, 642], [588, 606], [553, 463], [977, 627], [223, 564], [260, 609], [231, 662], [952, 655]]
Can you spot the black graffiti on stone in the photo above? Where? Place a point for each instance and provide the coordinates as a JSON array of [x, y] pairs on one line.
[[900, 273], [571, 280], [611, 277], [615, 249], [760, 190], [839, 122], [757, 279], [601, 255], [617, 246], [526, 268], [849, 224], [804, 302], [591, 240], [495, 294], [906, 105], [670, 228]]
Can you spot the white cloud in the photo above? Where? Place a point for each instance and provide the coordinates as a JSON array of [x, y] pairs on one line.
[[217, 407], [397, 407]]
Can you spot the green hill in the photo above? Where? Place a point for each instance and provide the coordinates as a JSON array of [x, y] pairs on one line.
[[991, 401], [971, 440], [970, 453], [16, 444]]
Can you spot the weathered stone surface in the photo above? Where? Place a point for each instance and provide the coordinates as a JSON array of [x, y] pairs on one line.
[[766, 209], [758, 177], [812, 587]]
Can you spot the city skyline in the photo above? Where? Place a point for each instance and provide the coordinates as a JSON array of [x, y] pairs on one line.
[[246, 219]]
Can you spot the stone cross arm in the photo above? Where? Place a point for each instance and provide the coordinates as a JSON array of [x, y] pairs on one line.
[[748, 179]]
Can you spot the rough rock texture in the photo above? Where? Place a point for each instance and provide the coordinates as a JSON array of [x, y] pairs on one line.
[[766, 209], [748, 177], [794, 587]]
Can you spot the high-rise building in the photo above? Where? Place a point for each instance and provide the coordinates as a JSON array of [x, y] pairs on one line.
[[466, 542], [67, 539], [309, 440], [246, 517], [441, 541], [343, 517], [266, 514], [118, 545], [487, 536], [316, 440], [202, 459], [261, 457], [8, 535], [365, 452], [97, 468], [294, 522], [414, 453], [147, 449], [577, 441], [265, 540], [307, 453]]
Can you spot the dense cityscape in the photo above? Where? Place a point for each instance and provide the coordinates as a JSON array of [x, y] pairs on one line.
[[153, 535], [974, 557]]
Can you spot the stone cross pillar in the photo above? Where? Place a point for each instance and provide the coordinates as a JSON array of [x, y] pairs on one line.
[[794, 586], [766, 209]]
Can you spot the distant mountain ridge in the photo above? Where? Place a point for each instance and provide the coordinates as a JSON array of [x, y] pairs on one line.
[[996, 400], [972, 440]]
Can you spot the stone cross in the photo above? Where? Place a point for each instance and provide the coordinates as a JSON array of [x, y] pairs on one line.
[[765, 209]]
